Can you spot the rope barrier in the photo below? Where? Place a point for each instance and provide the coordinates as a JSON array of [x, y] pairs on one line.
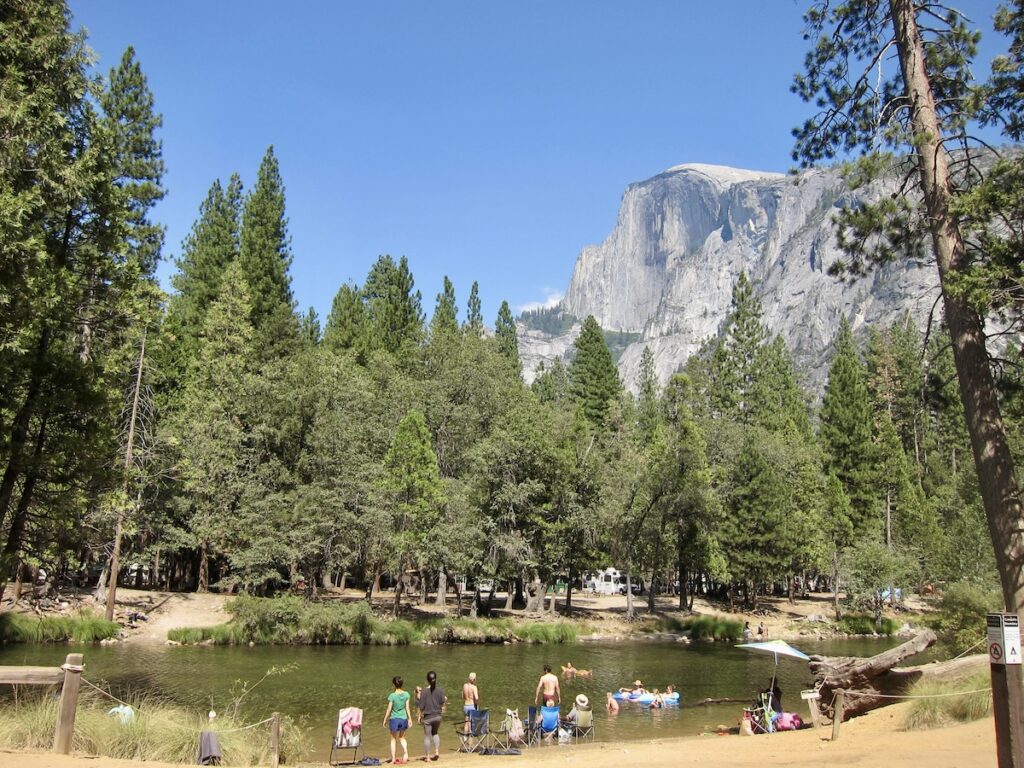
[[983, 640], [125, 703], [107, 694], [922, 696]]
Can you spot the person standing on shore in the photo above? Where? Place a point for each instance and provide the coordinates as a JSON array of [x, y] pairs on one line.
[[548, 686], [396, 718], [470, 698], [431, 706]]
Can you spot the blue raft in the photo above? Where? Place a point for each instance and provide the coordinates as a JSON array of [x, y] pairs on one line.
[[647, 698]]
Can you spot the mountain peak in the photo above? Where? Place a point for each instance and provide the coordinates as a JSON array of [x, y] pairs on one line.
[[723, 173]]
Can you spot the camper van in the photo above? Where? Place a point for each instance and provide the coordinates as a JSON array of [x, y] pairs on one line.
[[610, 581]]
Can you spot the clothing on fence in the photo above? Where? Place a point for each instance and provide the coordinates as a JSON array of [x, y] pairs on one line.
[[209, 749]]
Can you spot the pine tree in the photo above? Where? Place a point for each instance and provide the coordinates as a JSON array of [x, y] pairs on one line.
[[474, 317], [412, 484], [265, 257], [210, 247], [594, 380], [551, 385], [445, 319], [648, 395], [505, 334], [846, 428], [215, 417], [777, 402], [393, 306], [347, 322]]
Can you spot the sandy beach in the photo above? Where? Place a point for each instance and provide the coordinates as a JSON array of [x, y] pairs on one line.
[[873, 741]]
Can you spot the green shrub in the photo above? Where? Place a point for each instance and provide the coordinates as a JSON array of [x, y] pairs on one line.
[[946, 709], [159, 731], [960, 621], [713, 628], [671, 624], [83, 628], [554, 633], [864, 624]]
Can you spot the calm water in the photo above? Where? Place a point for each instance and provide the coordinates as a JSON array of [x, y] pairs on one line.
[[326, 678]]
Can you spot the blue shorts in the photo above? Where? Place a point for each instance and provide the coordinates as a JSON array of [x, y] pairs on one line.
[[467, 708], [398, 724]]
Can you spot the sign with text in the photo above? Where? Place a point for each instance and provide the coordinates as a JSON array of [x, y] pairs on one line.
[[1003, 638]]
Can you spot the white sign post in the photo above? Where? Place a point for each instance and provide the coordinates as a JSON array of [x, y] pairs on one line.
[[1003, 641]]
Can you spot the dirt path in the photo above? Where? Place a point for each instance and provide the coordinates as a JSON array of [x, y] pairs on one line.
[[171, 610], [873, 741]]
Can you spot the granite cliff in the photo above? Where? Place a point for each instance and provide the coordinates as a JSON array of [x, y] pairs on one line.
[[664, 276]]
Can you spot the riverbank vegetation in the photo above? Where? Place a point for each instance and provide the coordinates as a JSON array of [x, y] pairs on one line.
[[384, 448], [29, 628], [266, 621], [943, 706], [157, 731]]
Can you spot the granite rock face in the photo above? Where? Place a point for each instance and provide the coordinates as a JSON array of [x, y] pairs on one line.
[[667, 269]]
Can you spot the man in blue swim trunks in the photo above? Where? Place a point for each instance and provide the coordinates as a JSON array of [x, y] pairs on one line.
[[470, 698]]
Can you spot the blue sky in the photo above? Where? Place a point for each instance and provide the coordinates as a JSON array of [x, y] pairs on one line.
[[486, 141]]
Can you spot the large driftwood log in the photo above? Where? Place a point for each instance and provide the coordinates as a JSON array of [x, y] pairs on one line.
[[871, 680]]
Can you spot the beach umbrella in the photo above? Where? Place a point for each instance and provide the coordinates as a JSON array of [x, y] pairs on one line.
[[776, 648]]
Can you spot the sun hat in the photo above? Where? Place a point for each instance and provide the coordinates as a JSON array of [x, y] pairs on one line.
[[582, 700], [637, 682]]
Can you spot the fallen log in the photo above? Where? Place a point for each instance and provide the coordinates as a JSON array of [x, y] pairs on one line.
[[871, 681]]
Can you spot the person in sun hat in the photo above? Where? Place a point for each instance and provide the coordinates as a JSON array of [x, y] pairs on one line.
[[582, 704], [637, 689]]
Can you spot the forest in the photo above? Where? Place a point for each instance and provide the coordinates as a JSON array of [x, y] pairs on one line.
[[217, 437]]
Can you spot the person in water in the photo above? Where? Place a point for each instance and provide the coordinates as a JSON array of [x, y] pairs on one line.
[[658, 701], [612, 705], [637, 689], [548, 686], [396, 718], [431, 706]]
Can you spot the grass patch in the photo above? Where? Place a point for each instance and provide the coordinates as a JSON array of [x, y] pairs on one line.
[[864, 624], [288, 620], [159, 731], [933, 713], [713, 628], [83, 628]]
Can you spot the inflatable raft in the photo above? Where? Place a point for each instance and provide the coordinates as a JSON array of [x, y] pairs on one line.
[[647, 698]]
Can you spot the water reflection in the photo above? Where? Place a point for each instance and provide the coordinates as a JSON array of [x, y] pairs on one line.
[[327, 678]]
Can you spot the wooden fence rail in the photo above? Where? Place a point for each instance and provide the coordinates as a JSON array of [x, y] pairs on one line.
[[71, 676]]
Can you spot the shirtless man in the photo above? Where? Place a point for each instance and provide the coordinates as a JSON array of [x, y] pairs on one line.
[[548, 685], [470, 697]]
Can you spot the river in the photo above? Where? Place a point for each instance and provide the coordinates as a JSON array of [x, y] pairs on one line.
[[319, 680]]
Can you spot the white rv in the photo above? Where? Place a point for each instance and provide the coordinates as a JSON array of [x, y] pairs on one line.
[[610, 581]]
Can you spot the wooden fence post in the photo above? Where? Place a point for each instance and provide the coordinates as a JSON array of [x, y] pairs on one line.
[[275, 740], [68, 704], [837, 712]]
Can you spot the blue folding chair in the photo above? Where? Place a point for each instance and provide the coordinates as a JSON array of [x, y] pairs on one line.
[[549, 717], [474, 736]]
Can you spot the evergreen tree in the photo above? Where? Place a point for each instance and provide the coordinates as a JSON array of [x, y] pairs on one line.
[[215, 419], [309, 327], [505, 334], [649, 394], [474, 317], [594, 380], [412, 484], [445, 320], [393, 306], [265, 256], [846, 431], [551, 386], [347, 323], [777, 402], [209, 248]]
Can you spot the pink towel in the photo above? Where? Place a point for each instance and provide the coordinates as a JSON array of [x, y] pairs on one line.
[[349, 719]]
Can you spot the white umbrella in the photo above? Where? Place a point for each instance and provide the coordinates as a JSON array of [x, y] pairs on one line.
[[776, 648]]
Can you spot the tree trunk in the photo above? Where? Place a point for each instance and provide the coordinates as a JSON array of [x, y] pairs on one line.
[[442, 588], [204, 570], [423, 586], [996, 478], [20, 519], [18, 576], [875, 678], [630, 610], [510, 596]]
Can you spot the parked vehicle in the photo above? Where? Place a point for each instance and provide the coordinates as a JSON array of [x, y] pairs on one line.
[[610, 581]]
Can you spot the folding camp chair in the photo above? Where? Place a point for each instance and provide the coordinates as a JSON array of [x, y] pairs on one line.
[[349, 734], [548, 722], [762, 716], [532, 724], [474, 735], [512, 732], [580, 728]]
